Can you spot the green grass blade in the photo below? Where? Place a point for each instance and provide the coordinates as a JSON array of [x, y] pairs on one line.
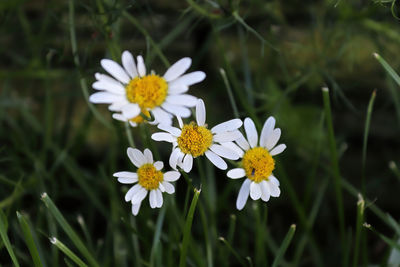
[[26, 230], [67, 252], [68, 229], [393, 167], [284, 246], [365, 140], [157, 234], [359, 228], [230, 94], [4, 237], [335, 163], [188, 227], [233, 251], [386, 239], [388, 68]]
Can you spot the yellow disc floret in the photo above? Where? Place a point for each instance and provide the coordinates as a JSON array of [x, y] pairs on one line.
[[148, 92], [194, 139], [149, 177], [258, 164]]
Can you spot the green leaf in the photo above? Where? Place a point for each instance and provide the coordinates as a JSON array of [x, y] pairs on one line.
[[67, 252], [4, 237], [285, 245]]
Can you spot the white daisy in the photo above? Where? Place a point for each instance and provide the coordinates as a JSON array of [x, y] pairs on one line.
[[131, 91], [257, 162], [194, 139], [149, 178]]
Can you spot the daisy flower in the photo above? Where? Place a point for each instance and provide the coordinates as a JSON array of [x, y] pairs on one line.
[[131, 91], [194, 139], [257, 162], [148, 178]]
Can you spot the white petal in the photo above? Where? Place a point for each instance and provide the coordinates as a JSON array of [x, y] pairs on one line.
[[177, 69], [227, 126], [273, 139], [176, 88], [125, 174], [161, 187], [236, 173], [153, 199], [159, 198], [224, 152], [274, 180], [105, 78], [265, 194], [267, 130], [278, 149], [136, 157], [216, 160], [243, 194], [158, 165], [251, 132], [168, 128], [119, 117], [181, 111], [188, 163], [234, 147], [105, 98], [130, 111], [188, 79], [132, 191], [115, 87], [163, 137], [242, 142], [141, 68], [115, 70], [227, 137], [274, 189], [128, 62], [148, 155], [200, 112], [117, 106], [255, 191], [162, 116], [136, 208], [169, 188], [173, 158], [182, 100], [180, 122], [171, 176], [125, 180], [139, 196]]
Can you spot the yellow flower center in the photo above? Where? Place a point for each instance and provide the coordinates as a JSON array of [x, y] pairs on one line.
[[148, 92], [194, 139], [258, 164], [139, 119], [149, 177]]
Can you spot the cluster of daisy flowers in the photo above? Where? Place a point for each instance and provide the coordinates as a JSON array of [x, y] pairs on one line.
[[137, 96]]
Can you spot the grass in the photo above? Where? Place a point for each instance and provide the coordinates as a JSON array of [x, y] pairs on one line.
[[339, 174]]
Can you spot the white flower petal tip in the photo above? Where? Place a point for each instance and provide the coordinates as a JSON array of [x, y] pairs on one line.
[[230, 125], [115, 70], [216, 160], [177, 69], [243, 194], [255, 191], [251, 132], [200, 112], [128, 62], [236, 173], [171, 176], [278, 149]]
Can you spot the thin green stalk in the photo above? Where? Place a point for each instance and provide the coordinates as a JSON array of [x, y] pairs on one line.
[[233, 251], [230, 94], [4, 237], [29, 240], [393, 167], [68, 229], [365, 140], [157, 234], [335, 164], [82, 80], [157, 49], [129, 135], [68, 252], [187, 228], [285, 245], [386, 239], [388, 68], [359, 228]]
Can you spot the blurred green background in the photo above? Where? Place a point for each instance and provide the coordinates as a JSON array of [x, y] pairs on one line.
[[277, 55]]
